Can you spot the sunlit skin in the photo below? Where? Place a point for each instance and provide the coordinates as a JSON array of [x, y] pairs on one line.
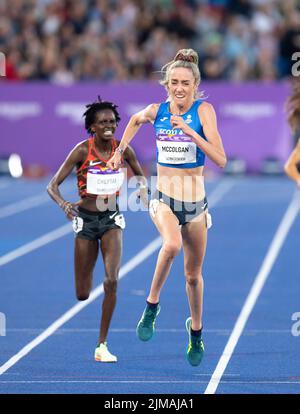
[[291, 165], [181, 89]]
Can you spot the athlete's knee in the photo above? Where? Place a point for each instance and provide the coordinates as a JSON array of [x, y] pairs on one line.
[[172, 248], [110, 285], [82, 295], [193, 279], [83, 286]]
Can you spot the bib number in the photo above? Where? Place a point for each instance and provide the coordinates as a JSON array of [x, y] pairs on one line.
[[105, 182], [77, 224], [120, 221]]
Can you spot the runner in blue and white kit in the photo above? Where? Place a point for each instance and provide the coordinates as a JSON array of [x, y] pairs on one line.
[[186, 131]]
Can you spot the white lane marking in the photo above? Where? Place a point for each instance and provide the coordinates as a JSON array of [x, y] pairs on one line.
[[194, 381], [255, 291], [36, 244], [223, 332], [135, 261], [27, 203], [130, 265], [222, 188], [219, 192]]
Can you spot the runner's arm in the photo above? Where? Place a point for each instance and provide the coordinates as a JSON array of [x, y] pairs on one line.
[[75, 157]]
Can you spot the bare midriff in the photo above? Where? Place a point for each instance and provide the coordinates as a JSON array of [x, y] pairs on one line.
[[98, 203], [186, 184]]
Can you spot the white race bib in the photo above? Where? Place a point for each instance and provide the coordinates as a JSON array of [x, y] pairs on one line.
[[103, 182], [77, 224], [120, 221], [176, 152]]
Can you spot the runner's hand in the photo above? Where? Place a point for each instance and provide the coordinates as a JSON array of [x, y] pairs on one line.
[[178, 122], [115, 162], [69, 209], [143, 195]]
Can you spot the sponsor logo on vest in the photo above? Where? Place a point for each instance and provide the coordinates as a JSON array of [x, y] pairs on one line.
[[170, 131], [188, 119], [95, 163]]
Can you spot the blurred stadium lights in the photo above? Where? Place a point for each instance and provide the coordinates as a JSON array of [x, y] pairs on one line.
[[235, 166], [11, 165]]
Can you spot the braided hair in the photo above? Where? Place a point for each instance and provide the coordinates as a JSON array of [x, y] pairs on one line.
[[93, 108]]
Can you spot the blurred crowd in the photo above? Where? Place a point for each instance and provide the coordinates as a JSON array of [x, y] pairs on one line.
[[64, 41]]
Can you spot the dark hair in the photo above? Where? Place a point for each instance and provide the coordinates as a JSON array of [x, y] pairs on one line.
[[292, 105], [95, 107]]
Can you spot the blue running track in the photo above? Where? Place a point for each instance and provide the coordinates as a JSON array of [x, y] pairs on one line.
[[37, 289]]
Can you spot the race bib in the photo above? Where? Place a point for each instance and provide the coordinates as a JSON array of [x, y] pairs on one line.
[[176, 150], [120, 221], [103, 182], [77, 224]]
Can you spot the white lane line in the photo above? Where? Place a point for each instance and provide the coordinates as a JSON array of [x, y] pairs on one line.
[[27, 203], [223, 332], [255, 291], [194, 381], [105, 382], [222, 188], [36, 244], [43, 198], [130, 265], [219, 192]]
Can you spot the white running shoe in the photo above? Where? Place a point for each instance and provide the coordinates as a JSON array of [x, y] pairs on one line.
[[102, 354]]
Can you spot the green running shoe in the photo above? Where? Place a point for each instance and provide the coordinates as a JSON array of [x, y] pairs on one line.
[[195, 348], [145, 327]]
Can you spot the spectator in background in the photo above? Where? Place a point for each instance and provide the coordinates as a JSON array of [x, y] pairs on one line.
[[214, 63], [59, 40], [289, 42]]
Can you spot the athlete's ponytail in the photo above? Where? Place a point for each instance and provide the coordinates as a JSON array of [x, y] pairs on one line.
[[184, 58]]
